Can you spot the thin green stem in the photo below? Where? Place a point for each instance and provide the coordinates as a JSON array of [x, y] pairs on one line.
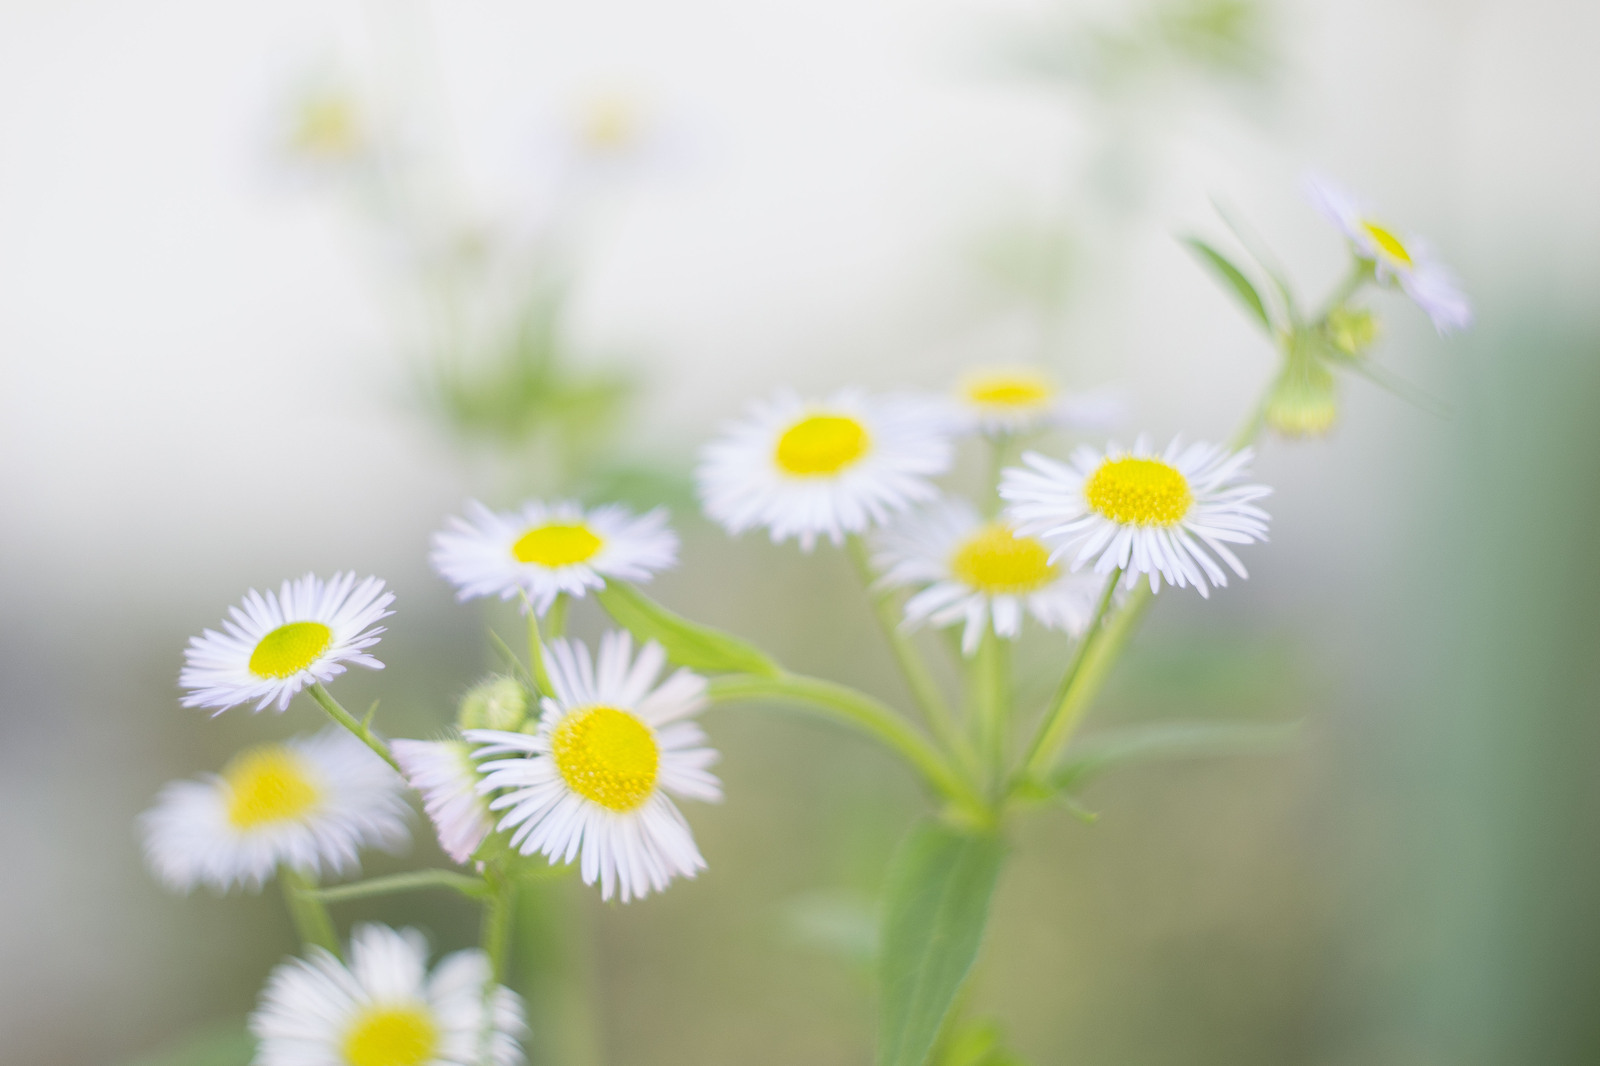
[[337, 712], [1060, 717], [411, 881], [311, 919], [1361, 272], [555, 622], [941, 719], [990, 680], [877, 719], [498, 915], [541, 676]]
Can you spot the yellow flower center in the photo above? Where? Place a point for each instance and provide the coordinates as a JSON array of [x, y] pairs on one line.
[[606, 755], [289, 649], [1388, 242], [557, 544], [391, 1036], [268, 784], [1140, 492], [1013, 389], [997, 561], [821, 444]]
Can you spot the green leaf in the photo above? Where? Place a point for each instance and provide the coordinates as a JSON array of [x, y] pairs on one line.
[[979, 1043], [1233, 277], [936, 907], [695, 646], [1095, 755]]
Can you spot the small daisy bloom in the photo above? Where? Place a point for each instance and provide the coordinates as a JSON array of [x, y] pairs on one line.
[[443, 771], [1145, 513], [805, 469], [386, 1009], [311, 803], [978, 573], [545, 550], [593, 781], [275, 645], [1002, 401], [1408, 263]]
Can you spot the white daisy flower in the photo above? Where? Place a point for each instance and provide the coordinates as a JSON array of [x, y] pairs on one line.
[[386, 1009], [1000, 401], [1146, 513], [545, 550], [275, 645], [1408, 263], [978, 573], [443, 771], [594, 779], [311, 803], [805, 469]]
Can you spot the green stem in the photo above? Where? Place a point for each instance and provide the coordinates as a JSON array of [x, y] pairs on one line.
[[497, 918], [541, 676], [555, 623], [1360, 274], [991, 701], [411, 881], [311, 919], [854, 708], [1060, 714], [941, 719], [337, 712]]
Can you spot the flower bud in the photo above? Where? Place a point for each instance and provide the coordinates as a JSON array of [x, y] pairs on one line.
[[1352, 330], [1303, 402], [494, 703]]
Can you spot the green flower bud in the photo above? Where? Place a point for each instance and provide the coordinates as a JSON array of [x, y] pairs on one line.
[[494, 703], [1303, 401], [1352, 330]]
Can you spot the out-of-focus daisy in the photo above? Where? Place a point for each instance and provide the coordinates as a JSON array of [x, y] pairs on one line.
[[443, 771], [274, 645], [997, 401], [805, 469], [975, 572], [594, 780], [545, 550], [1146, 513], [310, 803], [386, 1009], [1407, 262]]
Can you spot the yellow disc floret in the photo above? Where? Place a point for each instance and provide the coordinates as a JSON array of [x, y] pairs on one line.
[[1140, 492], [1012, 390], [606, 755], [268, 784], [1388, 242], [557, 544], [821, 445], [289, 649], [391, 1036], [997, 561]]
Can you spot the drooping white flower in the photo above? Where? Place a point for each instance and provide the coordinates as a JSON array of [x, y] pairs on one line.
[[805, 469], [1408, 263], [593, 783], [1001, 400], [273, 645], [1148, 513], [980, 573], [545, 550], [311, 803], [386, 1009], [443, 771]]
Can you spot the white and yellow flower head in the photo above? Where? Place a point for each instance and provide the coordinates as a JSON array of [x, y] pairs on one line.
[[1144, 512], [593, 782], [545, 550], [804, 469], [272, 646], [1408, 262], [979, 573], [386, 1009], [443, 771], [311, 803], [1005, 400]]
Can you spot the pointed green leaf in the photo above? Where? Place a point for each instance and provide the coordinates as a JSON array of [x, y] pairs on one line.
[[1167, 740], [1233, 277], [688, 644], [936, 907]]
